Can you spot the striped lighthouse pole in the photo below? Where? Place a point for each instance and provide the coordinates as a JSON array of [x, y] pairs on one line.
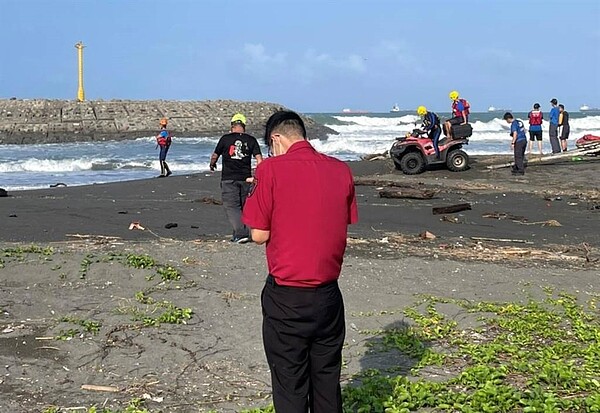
[[80, 93]]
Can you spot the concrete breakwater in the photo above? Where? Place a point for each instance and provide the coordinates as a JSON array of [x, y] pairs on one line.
[[53, 121]]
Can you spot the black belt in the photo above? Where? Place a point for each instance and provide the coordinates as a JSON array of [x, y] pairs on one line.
[[271, 281]]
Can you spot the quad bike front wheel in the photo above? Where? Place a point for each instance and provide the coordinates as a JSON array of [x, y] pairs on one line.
[[457, 161], [412, 163]]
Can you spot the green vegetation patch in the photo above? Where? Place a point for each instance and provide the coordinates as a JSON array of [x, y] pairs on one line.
[[542, 356]]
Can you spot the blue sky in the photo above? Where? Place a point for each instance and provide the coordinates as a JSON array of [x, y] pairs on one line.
[[313, 56]]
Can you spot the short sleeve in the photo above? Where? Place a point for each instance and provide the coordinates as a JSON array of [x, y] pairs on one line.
[[255, 147], [219, 148], [352, 207], [460, 106], [258, 209]]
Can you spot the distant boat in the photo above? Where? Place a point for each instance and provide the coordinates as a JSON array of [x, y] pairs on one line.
[[493, 109], [395, 108], [588, 110]]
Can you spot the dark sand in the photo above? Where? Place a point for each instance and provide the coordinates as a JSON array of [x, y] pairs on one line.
[[216, 361]]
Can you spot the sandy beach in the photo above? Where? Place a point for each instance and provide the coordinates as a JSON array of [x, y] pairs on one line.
[[69, 258]]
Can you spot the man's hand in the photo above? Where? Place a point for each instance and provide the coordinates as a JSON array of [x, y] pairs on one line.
[[250, 180], [213, 167]]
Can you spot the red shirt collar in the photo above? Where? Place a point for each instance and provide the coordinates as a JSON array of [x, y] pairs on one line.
[[303, 144]]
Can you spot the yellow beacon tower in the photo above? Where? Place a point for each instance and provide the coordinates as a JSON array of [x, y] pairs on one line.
[[80, 93]]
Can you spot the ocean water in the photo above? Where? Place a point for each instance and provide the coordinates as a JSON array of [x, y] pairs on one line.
[[38, 166]]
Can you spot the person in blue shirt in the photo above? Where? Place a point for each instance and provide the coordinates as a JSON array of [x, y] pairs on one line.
[[518, 143], [553, 133], [431, 125]]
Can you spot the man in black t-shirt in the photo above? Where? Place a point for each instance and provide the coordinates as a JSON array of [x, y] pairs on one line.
[[237, 149]]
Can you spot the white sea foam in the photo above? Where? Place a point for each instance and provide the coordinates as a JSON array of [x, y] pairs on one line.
[[36, 166]]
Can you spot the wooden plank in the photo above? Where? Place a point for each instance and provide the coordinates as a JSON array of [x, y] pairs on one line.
[[451, 209], [409, 193]]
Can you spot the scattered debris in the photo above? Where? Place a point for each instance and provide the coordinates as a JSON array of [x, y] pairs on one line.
[[504, 215], [549, 223], [171, 225], [450, 219], [3, 193], [552, 198], [136, 225], [209, 200], [13, 216], [93, 387], [57, 185], [122, 212], [451, 209], [520, 241], [427, 235], [409, 193]]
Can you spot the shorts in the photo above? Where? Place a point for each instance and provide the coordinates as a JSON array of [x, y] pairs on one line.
[[457, 120], [564, 133], [535, 135]]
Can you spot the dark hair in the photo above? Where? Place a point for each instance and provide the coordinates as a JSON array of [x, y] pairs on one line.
[[554, 101], [536, 105], [561, 106], [285, 122], [508, 116]]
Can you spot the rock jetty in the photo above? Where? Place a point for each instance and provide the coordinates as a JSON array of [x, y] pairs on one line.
[[52, 121]]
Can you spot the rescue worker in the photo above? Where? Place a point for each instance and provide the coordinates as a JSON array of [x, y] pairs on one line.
[[565, 129], [237, 149], [518, 143], [460, 112], [535, 127], [163, 140], [301, 205], [431, 125], [553, 127]]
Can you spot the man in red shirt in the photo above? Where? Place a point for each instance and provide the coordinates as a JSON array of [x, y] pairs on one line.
[[300, 206]]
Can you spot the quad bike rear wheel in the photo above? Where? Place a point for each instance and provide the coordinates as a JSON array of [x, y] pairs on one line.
[[412, 163], [457, 161]]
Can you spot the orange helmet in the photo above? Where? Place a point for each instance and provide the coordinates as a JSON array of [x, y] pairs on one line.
[[163, 122]]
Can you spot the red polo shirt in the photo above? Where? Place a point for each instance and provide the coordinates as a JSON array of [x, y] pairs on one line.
[[306, 200]]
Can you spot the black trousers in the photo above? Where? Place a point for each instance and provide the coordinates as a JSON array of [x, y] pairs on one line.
[[519, 152], [303, 335], [234, 194]]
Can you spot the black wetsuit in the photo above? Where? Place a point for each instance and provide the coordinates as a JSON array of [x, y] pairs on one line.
[[431, 124]]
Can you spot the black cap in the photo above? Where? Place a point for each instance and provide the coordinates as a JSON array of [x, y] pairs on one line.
[[536, 105], [554, 101]]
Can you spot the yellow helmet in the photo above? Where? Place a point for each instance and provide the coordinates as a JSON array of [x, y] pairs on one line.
[[238, 118], [163, 122], [453, 95], [421, 111]]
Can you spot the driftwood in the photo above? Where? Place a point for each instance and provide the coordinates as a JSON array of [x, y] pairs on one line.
[[585, 150], [93, 387], [383, 182], [519, 241], [410, 193], [451, 209]]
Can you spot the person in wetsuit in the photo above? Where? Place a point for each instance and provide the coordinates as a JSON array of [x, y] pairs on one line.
[[431, 125], [163, 140]]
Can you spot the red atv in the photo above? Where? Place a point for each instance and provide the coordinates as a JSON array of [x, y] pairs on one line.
[[414, 153]]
